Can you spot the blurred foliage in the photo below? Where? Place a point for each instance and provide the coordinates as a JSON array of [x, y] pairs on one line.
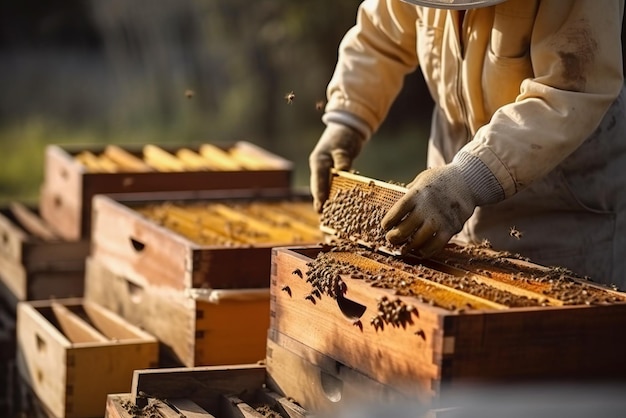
[[120, 71]]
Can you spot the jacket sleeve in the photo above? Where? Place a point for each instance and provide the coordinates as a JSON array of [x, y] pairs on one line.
[[577, 63], [374, 56]]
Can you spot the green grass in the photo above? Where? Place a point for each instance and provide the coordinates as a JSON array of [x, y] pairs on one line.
[[22, 146]]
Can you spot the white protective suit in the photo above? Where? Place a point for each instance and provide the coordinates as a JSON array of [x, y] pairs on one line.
[[534, 90]]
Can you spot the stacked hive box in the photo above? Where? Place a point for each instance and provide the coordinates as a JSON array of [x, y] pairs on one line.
[[73, 175], [35, 263], [195, 272], [346, 319], [43, 251]]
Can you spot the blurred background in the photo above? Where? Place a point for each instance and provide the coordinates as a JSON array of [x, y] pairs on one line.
[[182, 72]]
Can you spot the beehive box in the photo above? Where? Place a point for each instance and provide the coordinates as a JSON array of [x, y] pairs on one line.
[[35, 263], [469, 314], [320, 383], [74, 174], [235, 391], [194, 327], [216, 240], [72, 353]]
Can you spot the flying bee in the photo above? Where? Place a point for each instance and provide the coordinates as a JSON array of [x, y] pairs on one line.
[[189, 93], [319, 105], [290, 97], [515, 233]]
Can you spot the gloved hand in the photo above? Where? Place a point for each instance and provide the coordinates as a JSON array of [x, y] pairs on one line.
[[434, 209], [338, 146]]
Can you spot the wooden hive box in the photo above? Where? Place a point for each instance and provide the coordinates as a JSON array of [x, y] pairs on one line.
[[194, 327], [71, 180], [235, 391], [421, 326], [318, 382], [175, 242], [72, 353], [35, 263]]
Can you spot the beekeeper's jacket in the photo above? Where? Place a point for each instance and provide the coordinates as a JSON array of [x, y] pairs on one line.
[[533, 89]]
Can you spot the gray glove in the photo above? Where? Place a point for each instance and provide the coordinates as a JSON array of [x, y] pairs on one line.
[[439, 202], [338, 146]]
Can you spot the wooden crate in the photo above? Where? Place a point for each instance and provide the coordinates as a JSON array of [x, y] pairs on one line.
[[72, 353], [434, 348], [35, 264], [142, 250], [195, 327], [318, 382], [236, 391], [68, 187]]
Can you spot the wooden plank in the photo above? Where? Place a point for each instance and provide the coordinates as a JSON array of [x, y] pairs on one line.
[[125, 159], [218, 158], [193, 160], [202, 385], [551, 342], [285, 406], [272, 160], [31, 222], [318, 382], [112, 326], [254, 158], [61, 212], [231, 331], [233, 407], [74, 328], [189, 409], [60, 201], [161, 160], [120, 406]]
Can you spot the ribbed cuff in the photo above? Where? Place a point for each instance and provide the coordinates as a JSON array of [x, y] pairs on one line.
[[348, 119], [480, 180]]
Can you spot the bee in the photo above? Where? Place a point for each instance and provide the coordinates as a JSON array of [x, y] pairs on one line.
[[290, 97], [286, 289], [515, 233], [297, 272], [357, 323], [319, 105], [189, 93], [421, 333]]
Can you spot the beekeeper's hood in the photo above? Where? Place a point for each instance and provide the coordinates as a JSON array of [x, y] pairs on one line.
[[454, 4]]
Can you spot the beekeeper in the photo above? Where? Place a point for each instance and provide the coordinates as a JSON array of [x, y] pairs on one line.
[[528, 138]]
